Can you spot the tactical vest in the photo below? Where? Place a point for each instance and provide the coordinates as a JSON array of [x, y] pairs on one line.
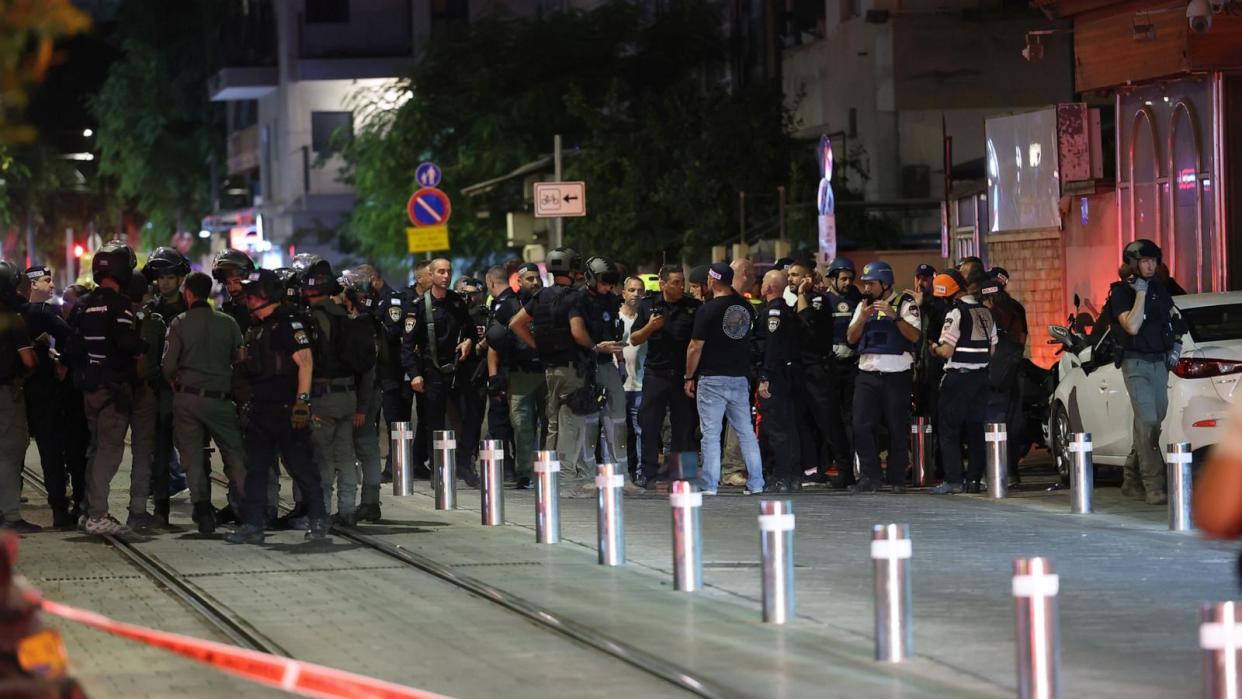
[[328, 362], [842, 312], [881, 336], [551, 321], [262, 363], [974, 343]]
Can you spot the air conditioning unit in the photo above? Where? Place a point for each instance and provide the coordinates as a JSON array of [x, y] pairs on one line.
[[523, 229]]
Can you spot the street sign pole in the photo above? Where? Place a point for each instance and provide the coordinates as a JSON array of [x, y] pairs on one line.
[[556, 233]]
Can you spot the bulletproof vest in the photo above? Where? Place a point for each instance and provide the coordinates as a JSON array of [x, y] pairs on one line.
[[551, 320], [152, 327], [99, 360], [881, 336], [521, 355], [603, 321], [843, 307], [239, 312], [974, 342], [328, 362], [167, 310], [262, 362]]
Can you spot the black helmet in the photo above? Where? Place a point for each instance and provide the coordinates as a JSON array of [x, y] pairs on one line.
[[229, 261], [265, 284], [289, 279], [602, 269], [9, 278], [1138, 249], [114, 259], [318, 277], [165, 261], [303, 261], [563, 261], [356, 285]]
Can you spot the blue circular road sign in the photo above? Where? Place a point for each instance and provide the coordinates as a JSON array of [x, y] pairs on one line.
[[429, 207], [428, 175]]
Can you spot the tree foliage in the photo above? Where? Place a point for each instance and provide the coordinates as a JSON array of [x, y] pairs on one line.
[[28, 32], [647, 120]]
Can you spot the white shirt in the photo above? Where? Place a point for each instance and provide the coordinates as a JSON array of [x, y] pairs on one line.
[[889, 363], [635, 357], [951, 333]]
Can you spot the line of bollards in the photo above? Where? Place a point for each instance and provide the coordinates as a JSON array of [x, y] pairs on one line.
[[547, 503], [402, 460], [1082, 473], [611, 517], [444, 469], [997, 441]]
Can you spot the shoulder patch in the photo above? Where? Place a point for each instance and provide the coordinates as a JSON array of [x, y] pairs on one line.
[[410, 322], [817, 302], [774, 321], [394, 314], [843, 306], [299, 336]]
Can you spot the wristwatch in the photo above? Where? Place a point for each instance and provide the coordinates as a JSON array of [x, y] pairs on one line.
[[305, 397], [688, 378]]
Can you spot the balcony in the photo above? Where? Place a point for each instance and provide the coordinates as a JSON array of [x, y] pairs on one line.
[[243, 150], [242, 83]]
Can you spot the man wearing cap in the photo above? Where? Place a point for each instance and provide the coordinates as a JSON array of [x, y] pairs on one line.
[[886, 330], [697, 279], [717, 375], [965, 343], [515, 378], [1005, 396]]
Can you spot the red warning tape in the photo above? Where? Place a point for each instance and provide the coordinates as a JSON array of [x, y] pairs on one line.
[[294, 676]]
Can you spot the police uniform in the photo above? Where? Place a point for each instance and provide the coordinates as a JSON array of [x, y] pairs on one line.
[[199, 354], [432, 354], [823, 439], [366, 438], [166, 476], [601, 313], [969, 327], [14, 338], [882, 389], [525, 387], [334, 393], [272, 380], [663, 388], [549, 310], [237, 310], [782, 334], [54, 414], [396, 396], [844, 370], [144, 414]]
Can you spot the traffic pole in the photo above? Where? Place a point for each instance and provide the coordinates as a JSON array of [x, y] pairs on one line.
[[776, 540], [444, 469], [547, 507], [1082, 474], [921, 459], [1037, 636], [611, 516], [1180, 486], [492, 492], [687, 536], [998, 459], [402, 460], [890, 561], [1220, 637]]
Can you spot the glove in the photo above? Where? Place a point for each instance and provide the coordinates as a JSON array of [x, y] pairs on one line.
[[1139, 284], [496, 387], [1173, 355], [300, 416]]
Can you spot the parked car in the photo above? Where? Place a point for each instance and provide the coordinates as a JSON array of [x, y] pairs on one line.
[[1090, 394]]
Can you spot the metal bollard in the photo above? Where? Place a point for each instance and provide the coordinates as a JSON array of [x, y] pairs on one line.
[[776, 539], [998, 459], [609, 481], [1220, 633], [402, 460], [1038, 646], [890, 556], [1082, 474], [922, 456], [1180, 486], [492, 480], [547, 507], [687, 536], [444, 469]]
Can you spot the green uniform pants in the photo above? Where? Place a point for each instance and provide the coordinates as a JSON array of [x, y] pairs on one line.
[[528, 397], [332, 432], [196, 418], [565, 428], [110, 413], [367, 448]]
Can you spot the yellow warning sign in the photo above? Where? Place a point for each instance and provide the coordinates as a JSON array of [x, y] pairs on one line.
[[426, 239]]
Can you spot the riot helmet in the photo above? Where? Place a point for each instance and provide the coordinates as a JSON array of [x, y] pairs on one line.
[[114, 259], [229, 262], [164, 261], [601, 270]]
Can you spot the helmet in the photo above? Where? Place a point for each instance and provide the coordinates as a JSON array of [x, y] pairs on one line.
[[165, 261], [114, 259], [229, 261], [842, 264], [1138, 249], [356, 286], [9, 277], [563, 261], [948, 283], [318, 277], [289, 278], [265, 284], [303, 261], [602, 270], [464, 285], [878, 271]]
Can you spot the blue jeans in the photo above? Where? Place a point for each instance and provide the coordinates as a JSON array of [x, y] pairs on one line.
[[727, 396], [634, 435]]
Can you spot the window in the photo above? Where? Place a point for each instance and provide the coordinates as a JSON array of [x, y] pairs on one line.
[[1214, 323], [327, 11], [329, 130]]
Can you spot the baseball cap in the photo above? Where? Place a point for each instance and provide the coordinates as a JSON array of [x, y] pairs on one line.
[[991, 285], [698, 275], [528, 267], [721, 272], [37, 272], [925, 271], [1000, 274], [947, 284]]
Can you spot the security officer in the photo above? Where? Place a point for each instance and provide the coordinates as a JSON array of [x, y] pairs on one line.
[[17, 357], [965, 343], [334, 391], [1005, 371], [51, 402], [496, 373], [144, 414], [817, 399], [104, 351], [599, 310], [439, 334], [665, 322], [842, 296], [546, 317], [388, 306], [277, 365], [781, 332], [357, 299], [230, 268], [515, 373], [472, 371], [202, 347], [166, 269], [1152, 345], [885, 328]]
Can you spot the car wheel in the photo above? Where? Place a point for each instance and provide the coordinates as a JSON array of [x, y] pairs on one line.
[[1059, 434]]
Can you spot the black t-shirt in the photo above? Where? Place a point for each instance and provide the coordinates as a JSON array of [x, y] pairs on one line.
[[270, 345], [725, 326], [666, 348], [13, 338], [1155, 335]]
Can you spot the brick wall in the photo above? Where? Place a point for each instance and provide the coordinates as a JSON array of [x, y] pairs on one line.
[[1035, 262]]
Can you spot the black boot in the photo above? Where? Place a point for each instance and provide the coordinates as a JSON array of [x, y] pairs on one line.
[[468, 475], [225, 515], [161, 513], [205, 517], [62, 518], [367, 512]]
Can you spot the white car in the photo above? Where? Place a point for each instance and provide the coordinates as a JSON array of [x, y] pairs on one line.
[[1092, 398]]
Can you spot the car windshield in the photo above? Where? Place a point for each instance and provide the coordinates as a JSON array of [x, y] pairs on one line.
[[1214, 323]]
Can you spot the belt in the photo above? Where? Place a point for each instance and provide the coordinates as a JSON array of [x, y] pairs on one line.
[[320, 389], [956, 370], [218, 395]]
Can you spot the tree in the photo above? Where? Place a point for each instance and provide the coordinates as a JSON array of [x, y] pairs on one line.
[[664, 146], [28, 32]]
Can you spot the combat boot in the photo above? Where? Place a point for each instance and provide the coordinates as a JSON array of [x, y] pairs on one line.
[[62, 518], [368, 512], [205, 517], [318, 529], [468, 475], [161, 514], [246, 534]]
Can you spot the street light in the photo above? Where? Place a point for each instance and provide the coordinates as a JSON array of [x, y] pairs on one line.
[[87, 133]]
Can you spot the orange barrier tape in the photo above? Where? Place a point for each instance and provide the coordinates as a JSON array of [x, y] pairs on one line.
[[307, 679]]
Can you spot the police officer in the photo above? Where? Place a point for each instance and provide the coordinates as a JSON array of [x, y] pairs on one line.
[[781, 332], [885, 328], [665, 322], [106, 346], [472, 372], [144, 414], [357, 299], [202, 347], [965, 343], [166, 269], [230, 268], [277, 365], [1152, 345], [599, 311], [438, 335], [1005, 371], [17, 357], [546, 317], [334, 391], [818, 399], [842, 297], [53, 407], [515, 373], [388, 306]]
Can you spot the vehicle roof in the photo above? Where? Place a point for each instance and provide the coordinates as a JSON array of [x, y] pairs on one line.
[[1200, 300]]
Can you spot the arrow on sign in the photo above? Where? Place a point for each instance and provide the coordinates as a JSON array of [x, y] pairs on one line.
[[569, 198]]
